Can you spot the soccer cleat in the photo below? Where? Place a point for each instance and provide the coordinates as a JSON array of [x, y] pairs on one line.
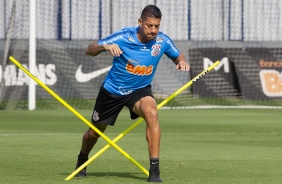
[[154, 175], [81, 173]]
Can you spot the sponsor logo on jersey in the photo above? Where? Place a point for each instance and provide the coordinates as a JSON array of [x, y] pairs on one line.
[[139, 69], [159, 39], [124, 91], [156, 50], [145, 49], [133, 61], [131, 39]]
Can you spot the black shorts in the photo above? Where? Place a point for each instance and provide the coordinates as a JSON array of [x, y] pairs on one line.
[[108, 105]]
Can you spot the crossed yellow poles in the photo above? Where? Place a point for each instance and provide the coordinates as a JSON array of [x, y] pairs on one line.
[[111, 142]]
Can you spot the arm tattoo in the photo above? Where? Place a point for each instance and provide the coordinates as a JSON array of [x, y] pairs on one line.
[[94, 49]]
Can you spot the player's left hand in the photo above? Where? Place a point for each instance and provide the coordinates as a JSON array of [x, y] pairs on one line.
[[182, 65]]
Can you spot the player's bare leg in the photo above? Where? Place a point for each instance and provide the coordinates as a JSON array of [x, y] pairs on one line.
[[147, 108], [89, 139]]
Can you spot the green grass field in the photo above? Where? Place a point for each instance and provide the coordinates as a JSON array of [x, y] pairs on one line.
[[198, 146]]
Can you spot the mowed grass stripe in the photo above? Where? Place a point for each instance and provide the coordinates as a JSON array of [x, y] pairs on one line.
[[198, 146]]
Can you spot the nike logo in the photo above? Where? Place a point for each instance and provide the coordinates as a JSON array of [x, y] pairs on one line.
[[85, 77]]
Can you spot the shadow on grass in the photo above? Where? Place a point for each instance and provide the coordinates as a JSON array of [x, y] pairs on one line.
[[113, 174]]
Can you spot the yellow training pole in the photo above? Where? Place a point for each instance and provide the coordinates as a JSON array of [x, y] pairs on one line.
[[78, 115], [141, 119]]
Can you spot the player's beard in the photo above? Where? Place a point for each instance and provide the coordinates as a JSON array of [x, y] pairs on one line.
[[151, 36]]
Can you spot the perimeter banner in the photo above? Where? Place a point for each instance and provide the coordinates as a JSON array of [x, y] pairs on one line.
[[253, 73]]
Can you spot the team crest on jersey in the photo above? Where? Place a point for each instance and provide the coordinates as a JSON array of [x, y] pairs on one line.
[[156, 50], [159, 39], [131, 39]]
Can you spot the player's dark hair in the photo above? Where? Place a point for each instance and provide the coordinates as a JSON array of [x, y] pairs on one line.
[[151, 11]]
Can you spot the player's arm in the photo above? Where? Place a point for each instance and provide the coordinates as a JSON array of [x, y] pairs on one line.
[[181, 63], [95, 49]]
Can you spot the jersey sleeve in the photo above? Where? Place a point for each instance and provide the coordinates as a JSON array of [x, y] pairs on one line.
[[171, 51], [113, 38]]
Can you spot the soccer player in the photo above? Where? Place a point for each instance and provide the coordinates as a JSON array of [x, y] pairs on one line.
[[136, 53]]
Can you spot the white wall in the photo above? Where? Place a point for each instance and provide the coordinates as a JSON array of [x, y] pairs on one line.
[[210, 19], [263, 20], [2, 19]]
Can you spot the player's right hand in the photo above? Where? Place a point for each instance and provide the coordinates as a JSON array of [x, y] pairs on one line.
[[114, 49]]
